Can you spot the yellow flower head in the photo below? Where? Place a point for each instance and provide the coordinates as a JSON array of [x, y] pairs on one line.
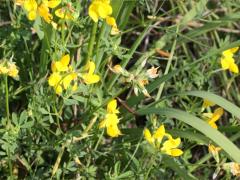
[[170, 147], [214, 117], [213, 150], [62, 65], [112, 107], [227, 60], [110, 120], [233, 167], [90, 77], [12, 70], [3, 69], [99, 9], [54, 79], [51, 3]]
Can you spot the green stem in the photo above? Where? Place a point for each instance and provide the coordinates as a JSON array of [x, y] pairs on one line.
[[160, 90], [10, 164], [91, 42], [7, 102]]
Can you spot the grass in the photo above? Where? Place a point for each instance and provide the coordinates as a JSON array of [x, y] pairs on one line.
[[49, 135]]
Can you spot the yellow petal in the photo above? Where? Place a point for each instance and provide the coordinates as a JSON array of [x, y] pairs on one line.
[[30, 5], [91, 67], [213, 125], [113, 131], [148, 136], [58, 89], [51, 3], [112, 107], [110, 120], [67, 81], [65, 60], [233, 68], [53, 66], [176, 152], [12, 70], [90, 78], [54, 79], [3, 69], [159, 134], [92, 11], [104, 10], [44, 13], [111, 21], [216, 115], [171, 144], [32, 15], [225, 63]]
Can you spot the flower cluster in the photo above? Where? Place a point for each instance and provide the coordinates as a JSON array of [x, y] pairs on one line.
[[102, 9], [35, 9], [62, 75], [227, 60], [138, 79], [169, 146], [9, 69], [111, 119], [212, 117]]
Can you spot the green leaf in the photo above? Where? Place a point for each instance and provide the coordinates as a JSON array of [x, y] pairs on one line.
[[200, 125], [177, 167], [230, 107]]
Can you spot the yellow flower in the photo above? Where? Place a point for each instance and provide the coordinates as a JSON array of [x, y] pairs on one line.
[[99, 9], [68, 79], [233, 167], [3, 69], [214, 117], [12, 70], [33, 9], [110, 119], [58, 89], [213, 150], [54, 79], [207, 103], [160, 133], [113, 131], [170, 147], [148, 136], [90, 77], [61, 65], [112, 107], [63, 14], [51, 3], [227, 60]]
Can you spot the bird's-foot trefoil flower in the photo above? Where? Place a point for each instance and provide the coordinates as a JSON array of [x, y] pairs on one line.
[[163, 141], [228, 61], [111, 120]]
